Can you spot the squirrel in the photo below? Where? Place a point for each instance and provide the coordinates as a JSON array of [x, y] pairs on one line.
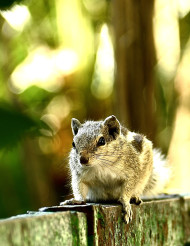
[[110, 163]]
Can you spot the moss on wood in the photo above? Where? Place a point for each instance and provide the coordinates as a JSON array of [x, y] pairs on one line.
[[161, 222]]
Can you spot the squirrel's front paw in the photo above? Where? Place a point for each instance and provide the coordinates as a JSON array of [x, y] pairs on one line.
[[135, 200], [72, 202], [128, 214]]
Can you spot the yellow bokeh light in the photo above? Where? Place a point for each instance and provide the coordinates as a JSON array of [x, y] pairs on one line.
[[66, 61], [59, 106], [53, 122], [166, 33], [75, 30], [103, 78], [44, 68], [17, 17], [183, 7]]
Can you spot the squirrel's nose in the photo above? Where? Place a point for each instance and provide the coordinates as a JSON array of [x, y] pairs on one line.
[[84, 159]]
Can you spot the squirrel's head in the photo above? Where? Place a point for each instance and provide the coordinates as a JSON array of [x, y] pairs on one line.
[[93, 137]]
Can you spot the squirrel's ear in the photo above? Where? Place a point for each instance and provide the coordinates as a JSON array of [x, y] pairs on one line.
[[113, 126], [75, 124]]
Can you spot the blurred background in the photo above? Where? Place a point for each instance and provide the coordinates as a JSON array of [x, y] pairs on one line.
[[88, 59]]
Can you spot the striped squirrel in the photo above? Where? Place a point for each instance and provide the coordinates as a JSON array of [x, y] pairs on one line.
[[110, 163]]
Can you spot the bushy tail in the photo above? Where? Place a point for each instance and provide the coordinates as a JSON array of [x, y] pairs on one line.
[[161, 175]]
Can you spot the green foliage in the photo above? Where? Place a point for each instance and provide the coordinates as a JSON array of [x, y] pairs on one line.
[[13, 182], [184, 30], [5, 4], [34, 98], [14, 125]]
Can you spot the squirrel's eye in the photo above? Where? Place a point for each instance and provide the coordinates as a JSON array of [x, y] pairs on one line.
[[101, 141], [73, 144]]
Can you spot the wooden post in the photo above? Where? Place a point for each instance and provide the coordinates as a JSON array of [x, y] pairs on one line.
[[160, 222], [135, 60]]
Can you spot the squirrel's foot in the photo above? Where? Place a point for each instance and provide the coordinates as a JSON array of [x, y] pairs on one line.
[[135, 200], [127, 210], [73, 202], [128, 214]]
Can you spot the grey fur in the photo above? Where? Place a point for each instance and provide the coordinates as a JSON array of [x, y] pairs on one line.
[[122, 169]]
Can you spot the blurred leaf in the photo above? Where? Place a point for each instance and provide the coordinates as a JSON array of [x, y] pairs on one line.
[[14, 125], [19, 51], [35, 98], [14, 176], [5, 4], [184, 30]]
